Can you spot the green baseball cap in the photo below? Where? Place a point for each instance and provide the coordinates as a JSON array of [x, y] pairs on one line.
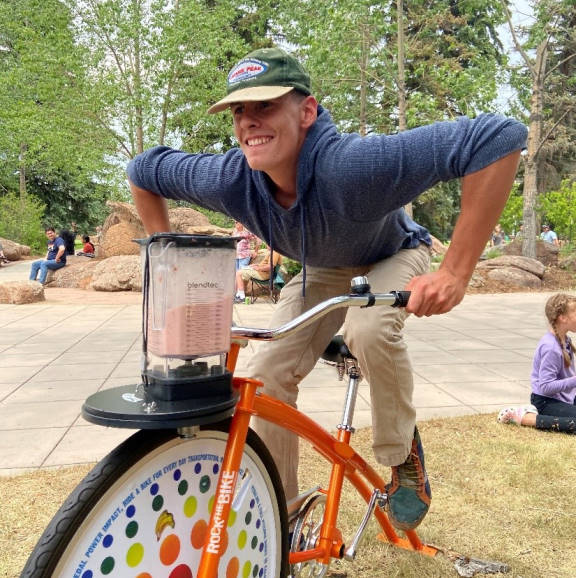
[[263, 74]]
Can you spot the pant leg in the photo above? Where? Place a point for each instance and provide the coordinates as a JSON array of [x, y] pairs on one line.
[[375, 337], [244, 262], [48, 265], [555, 423], [550, 406], [43, 272], [554, 415], [34, 268], [281, 365]]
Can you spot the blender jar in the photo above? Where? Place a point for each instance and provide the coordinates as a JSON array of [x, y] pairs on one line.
[[188, 290]]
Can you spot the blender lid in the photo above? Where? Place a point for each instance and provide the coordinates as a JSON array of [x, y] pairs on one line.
[[186, 240]]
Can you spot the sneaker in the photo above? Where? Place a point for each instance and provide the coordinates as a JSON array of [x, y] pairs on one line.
[[514, 415], [409, 491], [238, 299]]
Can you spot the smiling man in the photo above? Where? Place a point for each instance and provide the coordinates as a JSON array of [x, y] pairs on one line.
[[335, 202], [55, 258]]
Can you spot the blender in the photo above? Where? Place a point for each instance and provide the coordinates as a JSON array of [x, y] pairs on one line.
[[188, 296], [188, 285]]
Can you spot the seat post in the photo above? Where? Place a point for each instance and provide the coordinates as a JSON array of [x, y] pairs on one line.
[[354, 379]]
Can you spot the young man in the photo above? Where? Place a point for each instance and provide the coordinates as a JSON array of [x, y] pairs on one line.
[[335, 202], [549, 235], [55, 258]]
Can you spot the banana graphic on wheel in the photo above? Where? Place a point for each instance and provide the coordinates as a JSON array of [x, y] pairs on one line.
[[164, 520]]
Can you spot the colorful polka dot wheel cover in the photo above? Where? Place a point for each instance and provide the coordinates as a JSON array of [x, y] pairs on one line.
[[155, 522]]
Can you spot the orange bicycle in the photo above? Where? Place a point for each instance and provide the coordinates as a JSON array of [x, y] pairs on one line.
[[195, 493]]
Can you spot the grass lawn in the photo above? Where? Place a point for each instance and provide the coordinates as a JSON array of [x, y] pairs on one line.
[[500, 493]]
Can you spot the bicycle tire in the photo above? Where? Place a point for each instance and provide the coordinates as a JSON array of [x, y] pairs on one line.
[[121, 521]]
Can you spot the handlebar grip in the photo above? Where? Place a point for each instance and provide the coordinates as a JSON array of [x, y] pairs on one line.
[[402, 298]]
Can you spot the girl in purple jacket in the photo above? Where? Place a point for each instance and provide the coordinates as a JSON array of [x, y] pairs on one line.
[[553, 374]]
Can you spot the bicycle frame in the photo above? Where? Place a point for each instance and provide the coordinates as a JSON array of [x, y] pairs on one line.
[[346, 464]]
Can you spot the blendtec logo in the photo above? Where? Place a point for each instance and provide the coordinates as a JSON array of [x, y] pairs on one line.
[[203, 285]]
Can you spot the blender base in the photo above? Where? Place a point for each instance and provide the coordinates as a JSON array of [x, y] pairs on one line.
[[132, 407]]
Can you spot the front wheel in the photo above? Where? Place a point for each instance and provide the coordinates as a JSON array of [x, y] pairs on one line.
[[143, 512]]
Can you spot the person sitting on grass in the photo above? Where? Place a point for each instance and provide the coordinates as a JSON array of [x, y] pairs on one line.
[[260, 270], [553, 374]]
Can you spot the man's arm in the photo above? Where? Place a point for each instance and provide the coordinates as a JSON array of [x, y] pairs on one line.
[[61, 249], [152, 209], [484, 195]]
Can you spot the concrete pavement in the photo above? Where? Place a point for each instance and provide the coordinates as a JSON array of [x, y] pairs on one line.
[[54, 354]]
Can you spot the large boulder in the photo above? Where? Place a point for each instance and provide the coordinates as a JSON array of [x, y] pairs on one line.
[[14, 251], [21, 292], [515, 277], [123, 225], [119, 230], [184, 220], [546, 253], [77, 274], [527, 264], [120, 273], [437, 248], [509, 271], [568, 263]]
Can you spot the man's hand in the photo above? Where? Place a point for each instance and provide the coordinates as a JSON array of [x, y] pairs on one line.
[[435, 293]]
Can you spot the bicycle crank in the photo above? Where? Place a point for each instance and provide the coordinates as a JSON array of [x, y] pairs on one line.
[[305, 534]]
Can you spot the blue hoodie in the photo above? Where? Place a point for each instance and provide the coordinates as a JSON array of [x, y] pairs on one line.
[[350, 189]]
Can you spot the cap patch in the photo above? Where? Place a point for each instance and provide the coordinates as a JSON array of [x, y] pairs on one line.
[[246, 70]]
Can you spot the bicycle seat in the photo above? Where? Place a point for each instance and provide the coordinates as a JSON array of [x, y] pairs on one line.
[[337, 351]]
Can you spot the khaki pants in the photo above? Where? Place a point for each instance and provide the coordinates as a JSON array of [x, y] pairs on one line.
[[374, 335]]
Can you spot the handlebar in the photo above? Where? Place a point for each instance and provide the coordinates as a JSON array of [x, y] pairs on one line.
[[365, 299]]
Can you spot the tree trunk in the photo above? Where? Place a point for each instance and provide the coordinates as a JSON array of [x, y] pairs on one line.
[[401, 49], [534, 146], [363, 75], [138, 109], [22, 171]]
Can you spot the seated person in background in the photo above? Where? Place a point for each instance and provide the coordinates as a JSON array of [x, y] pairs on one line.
[[247, 247], [55, 258], [2, 256], [498, 236], [549, 235], [260, 269], [87, 249], [553, 374]]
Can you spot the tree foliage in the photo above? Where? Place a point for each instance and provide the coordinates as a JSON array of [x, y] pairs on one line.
[[87, 84], [47, 134], [547, 51], [21, 220], [558, 208]]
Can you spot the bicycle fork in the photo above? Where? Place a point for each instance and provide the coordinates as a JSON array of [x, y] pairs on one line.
[[227, 481]]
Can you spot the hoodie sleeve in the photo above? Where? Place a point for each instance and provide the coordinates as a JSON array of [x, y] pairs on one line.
[[393, 170], [205, 179]]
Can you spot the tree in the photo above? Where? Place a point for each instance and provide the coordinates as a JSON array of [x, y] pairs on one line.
[[551, 33], [44, 98], [378, 70], [159, 63], [559, 209]]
